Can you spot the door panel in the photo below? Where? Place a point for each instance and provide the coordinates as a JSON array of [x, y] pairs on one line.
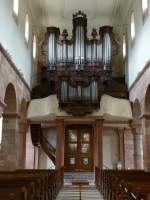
[[78, 148]]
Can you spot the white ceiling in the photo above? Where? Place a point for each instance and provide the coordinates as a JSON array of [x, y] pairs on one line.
[[59, 12]]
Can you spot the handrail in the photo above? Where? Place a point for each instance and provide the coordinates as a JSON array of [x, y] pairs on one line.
[[48, 148]]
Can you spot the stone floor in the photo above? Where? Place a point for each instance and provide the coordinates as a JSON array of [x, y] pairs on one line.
[[75, 193]]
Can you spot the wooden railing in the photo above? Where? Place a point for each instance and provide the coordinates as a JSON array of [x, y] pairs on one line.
[[30, 184], [123, 184], [48, 148], [38, 139]]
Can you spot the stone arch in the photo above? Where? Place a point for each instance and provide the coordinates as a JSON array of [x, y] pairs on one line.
[[10, 99], [9, 129], [147, 100]]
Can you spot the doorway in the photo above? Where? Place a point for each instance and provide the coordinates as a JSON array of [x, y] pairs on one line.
[[79, 148]]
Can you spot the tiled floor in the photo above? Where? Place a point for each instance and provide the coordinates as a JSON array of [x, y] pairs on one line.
[[73, 193]]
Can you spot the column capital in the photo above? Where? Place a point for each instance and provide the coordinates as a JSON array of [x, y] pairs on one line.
[[11, 115], [120, 129], [145, 116], [59, 121], [2, 106], [99, 122]]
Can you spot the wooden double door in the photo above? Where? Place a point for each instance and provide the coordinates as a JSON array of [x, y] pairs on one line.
[[79, 148]]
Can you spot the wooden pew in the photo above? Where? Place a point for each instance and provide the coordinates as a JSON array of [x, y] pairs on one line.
[[123, 184], [30, 184]]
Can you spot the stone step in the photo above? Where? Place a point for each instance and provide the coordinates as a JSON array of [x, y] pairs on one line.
[[75, 193], [70, 177]]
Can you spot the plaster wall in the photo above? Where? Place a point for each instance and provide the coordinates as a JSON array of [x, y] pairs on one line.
[[110, 148], [138, 53], [12, 36]]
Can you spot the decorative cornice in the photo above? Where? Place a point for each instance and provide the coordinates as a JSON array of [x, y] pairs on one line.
[[12, 64], [140, 75]]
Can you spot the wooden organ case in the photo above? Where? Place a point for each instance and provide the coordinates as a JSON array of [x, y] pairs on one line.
[[78, 70]]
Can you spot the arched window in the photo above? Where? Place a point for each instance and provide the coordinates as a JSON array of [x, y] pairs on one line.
[[27, 27], [1, 130], [16, 7], [34, 46], [124, 46], [132, 26], [144, 6]]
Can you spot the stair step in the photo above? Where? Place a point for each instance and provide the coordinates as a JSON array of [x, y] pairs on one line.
[[71, 177], [73, 193]]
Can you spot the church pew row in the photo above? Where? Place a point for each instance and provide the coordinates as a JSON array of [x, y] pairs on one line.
[[123, 184], [30, 184]]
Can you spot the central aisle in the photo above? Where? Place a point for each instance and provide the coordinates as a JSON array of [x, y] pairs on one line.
[[74, 193]]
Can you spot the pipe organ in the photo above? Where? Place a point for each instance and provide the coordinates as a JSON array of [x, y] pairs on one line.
[[78, 67], [79, 51]]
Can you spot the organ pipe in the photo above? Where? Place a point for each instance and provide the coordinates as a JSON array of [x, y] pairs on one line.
[[80, 51], [53, 33], [105, 33], [65, 47], [80, 26], [94, 44]]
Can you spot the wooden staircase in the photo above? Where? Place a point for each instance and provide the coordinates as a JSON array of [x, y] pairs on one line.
[[38, 139]]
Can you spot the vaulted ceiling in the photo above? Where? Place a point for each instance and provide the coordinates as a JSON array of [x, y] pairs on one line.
[[59, 12]]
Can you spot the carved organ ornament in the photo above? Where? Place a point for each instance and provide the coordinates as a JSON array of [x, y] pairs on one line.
[[78, 67]]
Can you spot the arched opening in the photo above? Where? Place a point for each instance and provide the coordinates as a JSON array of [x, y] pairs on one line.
[[147, 101], [9, 128], [138, 136], [10, 99]]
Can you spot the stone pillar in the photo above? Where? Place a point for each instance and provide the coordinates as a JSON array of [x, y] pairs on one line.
[[129, 148], [10, 141], [138, 146], [22, 144], [60, 137], [98, 143], [121, 146], [146, 141]]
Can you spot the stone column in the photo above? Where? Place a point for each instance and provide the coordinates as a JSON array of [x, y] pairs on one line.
[[98, 143], [138, 146], [10, 141], [121, 146], [129, 148], [60, 137], [146, 141], [22, 144]]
